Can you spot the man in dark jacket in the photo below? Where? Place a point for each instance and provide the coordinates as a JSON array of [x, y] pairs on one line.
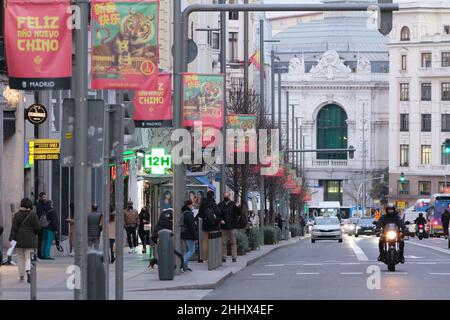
[[209, 212], [445, 219], [50, 230], [144, 218], [188, 233], [229, 214], [24, 230], [392, 216], [42, 202], [94, 227]]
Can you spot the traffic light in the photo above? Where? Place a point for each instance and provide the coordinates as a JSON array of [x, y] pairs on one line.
[[351, 152], [402, 177], [447, 146], [385, 22], [128, 108]]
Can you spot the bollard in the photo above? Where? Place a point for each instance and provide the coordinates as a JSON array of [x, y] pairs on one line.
[[200, 241], [166, 262], [96, 289], [33, 278], [214, 250]]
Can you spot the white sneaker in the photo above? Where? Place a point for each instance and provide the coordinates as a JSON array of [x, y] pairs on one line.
[[134, 250], [72, 254], [130, 251]]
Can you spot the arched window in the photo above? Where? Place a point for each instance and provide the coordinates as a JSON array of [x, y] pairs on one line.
[[332, 131], [405, 34]]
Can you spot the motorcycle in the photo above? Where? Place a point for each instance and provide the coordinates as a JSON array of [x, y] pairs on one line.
[[391, 246], [420, 231]]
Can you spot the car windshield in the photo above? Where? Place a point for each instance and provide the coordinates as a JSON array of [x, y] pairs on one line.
[[327, 221], [365, 221]]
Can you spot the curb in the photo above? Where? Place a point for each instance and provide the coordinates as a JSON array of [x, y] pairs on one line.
[[219, 282]]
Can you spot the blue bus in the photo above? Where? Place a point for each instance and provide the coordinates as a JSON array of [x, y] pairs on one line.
[[422, 205], [438, 204]]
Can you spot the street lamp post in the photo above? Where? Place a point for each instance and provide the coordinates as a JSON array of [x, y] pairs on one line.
[[262, 102], [359, 190], [223, 70]]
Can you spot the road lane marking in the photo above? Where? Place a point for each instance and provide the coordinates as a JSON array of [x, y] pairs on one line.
[[358, 252], [333, 261], [307, 273], [352, 273], [313, 264], [413, 257], [274, 265], [439, 274], [396, 273], [349, 263], [262, 274], [426, 262], [446, 251]]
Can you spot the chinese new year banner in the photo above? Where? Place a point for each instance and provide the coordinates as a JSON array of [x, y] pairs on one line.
[[203, 99], [38, 44], [242, 122], [153, 107], [125, 44]]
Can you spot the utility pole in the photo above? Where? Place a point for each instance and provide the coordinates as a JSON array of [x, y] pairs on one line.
[[223, 70], [246, 56], [263, 106], [106, 196], [180, 65], [3, 102], [287, 124], [279, 108], [272, 85], [364, 153], [81, 146]]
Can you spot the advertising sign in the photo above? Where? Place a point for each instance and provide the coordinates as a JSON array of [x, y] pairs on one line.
[[125, 44], [203, 99], [37, 114], [242, 122], [153, 107], [43, 149], [38, 44]]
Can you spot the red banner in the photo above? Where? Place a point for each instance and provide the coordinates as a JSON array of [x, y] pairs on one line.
[[124, 44], [38, 44], [153, 108]]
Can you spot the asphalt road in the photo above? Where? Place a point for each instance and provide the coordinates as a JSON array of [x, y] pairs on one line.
[[348, 270]]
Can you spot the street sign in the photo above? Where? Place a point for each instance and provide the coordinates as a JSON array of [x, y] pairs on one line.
[[192, 51], [157, 161], [43, 149], [401, 204], [37, 114]]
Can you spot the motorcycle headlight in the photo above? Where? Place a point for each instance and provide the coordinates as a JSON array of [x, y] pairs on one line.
[[391, 235]]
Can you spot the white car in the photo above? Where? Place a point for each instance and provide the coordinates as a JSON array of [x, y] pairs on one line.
[[326, 228]]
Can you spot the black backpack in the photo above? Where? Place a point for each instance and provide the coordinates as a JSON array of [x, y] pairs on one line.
[[210, 221]]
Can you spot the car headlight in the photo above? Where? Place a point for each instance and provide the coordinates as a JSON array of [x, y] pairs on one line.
[[391, 235]]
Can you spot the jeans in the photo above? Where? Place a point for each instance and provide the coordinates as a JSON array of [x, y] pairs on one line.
[[47, 240], [40, 241], [131, 237], [145, 237], [190, 250]]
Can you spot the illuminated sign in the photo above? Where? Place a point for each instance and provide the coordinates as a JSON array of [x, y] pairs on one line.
[[157, 161]]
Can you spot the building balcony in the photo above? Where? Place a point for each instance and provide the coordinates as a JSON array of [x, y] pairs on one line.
[[329, 163], [434, 72]]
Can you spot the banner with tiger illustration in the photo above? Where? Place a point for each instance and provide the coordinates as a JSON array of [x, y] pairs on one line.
[[38, 44], [153, 107], [244, 124], [203, 99], [124, 44]]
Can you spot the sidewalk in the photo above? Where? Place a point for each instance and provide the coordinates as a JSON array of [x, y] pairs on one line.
[[140, 282]]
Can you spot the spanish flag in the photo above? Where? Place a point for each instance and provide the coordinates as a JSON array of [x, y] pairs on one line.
[[255, 59]]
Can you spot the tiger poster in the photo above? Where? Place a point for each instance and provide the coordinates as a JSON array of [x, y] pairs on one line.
[[38, 44], [124, 44], [246, 123], [203, 99]]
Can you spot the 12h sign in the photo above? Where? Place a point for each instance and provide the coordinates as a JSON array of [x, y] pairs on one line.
[[157, 161]]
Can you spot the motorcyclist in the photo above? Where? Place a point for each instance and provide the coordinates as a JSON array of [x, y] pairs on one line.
[[420, 220], [392, 216]]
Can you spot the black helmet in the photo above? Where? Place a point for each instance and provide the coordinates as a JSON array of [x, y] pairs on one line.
[[421, 214], [391, 209]]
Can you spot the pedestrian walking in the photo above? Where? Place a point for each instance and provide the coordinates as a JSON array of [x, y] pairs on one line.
[[209, 212], [279, 222], [71, 222], [94, 227], [229, 214], [302, 225], [112, 234], [40, 213], [445, 218], [131, 218], [24, 231], [189, 233], [144, 219], [50, 230]]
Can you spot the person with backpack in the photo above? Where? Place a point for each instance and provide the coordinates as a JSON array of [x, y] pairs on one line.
[[51, 226], [144, 218], [209, 212], [94, 227], [24, 230], [229, 214], [189, 233]]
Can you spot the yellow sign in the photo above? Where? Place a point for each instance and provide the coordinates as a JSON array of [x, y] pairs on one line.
[[44, 149], [377, 215], [401, 204]]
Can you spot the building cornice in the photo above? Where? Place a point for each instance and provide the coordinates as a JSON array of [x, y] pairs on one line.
[[336, 86]]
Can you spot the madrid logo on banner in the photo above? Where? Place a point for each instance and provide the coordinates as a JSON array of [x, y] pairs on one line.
[[38, 44], [203, 99], [153, 107], [125, 44]]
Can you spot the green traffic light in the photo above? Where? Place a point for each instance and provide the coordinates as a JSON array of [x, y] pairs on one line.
[[447, 150]]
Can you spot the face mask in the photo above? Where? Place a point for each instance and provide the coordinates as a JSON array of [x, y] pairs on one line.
[[226, 199], [130, 207]]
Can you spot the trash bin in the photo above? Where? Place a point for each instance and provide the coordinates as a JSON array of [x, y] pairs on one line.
[[166, 259], [96, 289]]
